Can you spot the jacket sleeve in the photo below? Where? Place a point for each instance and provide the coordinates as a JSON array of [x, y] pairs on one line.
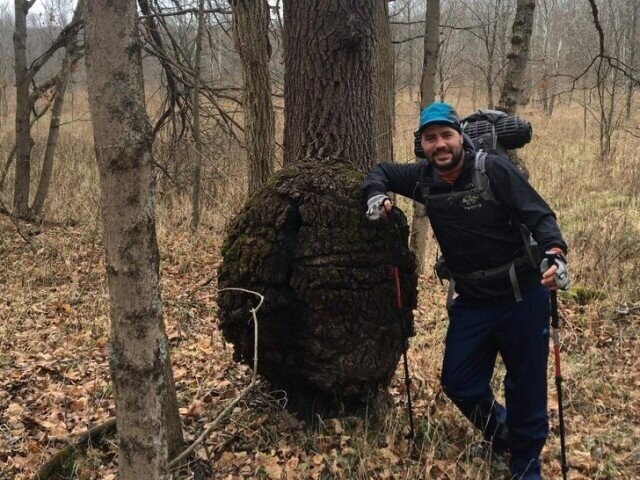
[[400, 178], [524, 202]]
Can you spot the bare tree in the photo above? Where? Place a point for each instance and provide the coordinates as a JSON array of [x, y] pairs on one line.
[[146, 410], [450, 49], [251, 33], [196, 179], [491, 19], [27, 93], [551, 47], [23, 128], [73, 53], [610, 74], [420, 223], [5, 60], [513, 86], [631, 50], [385, 84]]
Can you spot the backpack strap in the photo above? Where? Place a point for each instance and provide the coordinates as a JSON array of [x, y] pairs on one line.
[[427, 178], [481, 180]]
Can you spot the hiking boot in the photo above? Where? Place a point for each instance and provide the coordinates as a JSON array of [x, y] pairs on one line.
[[500, 441], [484, 449]]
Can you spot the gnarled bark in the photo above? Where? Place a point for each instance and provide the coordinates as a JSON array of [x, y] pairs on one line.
[[329, 327]]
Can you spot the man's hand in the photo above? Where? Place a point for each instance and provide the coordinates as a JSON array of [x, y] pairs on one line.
[[378, 207], [554, 270]]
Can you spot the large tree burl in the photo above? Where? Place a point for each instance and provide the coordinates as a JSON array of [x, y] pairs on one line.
[[329, 325]]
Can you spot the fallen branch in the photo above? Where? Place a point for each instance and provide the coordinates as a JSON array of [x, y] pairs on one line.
[[173, 463], [94, 436]]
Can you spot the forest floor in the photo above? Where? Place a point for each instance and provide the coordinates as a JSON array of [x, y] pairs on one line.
[[54, 378]]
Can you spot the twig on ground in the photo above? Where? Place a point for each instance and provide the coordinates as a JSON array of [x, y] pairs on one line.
[[207, 282], [244, 392], [622, 311], [5, 210], [95, 436]]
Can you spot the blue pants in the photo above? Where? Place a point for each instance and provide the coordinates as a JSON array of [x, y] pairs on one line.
[[519, 331]]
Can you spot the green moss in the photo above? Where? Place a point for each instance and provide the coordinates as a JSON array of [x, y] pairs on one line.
[[582, 295]]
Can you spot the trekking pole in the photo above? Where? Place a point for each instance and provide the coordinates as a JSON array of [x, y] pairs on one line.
[[558, 376], [405, 346]]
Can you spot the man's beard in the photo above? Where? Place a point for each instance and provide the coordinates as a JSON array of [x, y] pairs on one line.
[[456, 158]]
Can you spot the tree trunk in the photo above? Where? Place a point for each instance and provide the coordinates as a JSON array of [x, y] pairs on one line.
[[329, 330], [123, 139], [196, 179], [385, 84], [511, 94], [489, 78], [71, 57], [24, 141], [431, 47], [420, 224], [334, 118], [251, 33]]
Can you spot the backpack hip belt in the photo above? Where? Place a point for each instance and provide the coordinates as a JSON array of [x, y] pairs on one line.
[[509, 268]]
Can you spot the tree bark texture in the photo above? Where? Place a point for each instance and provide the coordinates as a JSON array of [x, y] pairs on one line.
[[71, 57], [24, 142], [385, 84], [511, 94], [420, 223], [329, 67], [330, 332], [123, 138], [251, 33]]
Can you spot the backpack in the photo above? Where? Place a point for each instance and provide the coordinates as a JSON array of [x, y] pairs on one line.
[[495, 132]]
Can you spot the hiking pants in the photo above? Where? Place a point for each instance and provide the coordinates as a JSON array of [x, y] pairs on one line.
[[519, 331]]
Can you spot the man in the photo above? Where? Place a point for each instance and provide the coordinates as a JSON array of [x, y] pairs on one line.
[[477, 208]]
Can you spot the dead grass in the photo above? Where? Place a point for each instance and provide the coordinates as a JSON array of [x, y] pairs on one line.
[[54, 330]]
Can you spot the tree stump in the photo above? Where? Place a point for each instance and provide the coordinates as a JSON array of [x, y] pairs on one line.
[[330, 333]]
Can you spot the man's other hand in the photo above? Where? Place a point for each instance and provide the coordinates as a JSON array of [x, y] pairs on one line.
[[378, 207]]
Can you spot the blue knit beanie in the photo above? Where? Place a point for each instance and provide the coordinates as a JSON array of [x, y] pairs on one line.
[[439, 113]]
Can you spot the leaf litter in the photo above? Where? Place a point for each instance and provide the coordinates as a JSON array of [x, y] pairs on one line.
[[55, 384]]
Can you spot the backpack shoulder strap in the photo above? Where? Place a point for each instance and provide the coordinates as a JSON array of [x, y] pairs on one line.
[[426, 178], [481, 180]]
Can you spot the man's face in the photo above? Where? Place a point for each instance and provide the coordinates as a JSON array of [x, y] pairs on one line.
[[443, 146]]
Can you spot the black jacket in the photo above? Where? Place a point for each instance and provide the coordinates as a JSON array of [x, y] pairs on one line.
[[475, 234]]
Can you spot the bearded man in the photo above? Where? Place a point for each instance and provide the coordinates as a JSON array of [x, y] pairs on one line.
[[487, 219]]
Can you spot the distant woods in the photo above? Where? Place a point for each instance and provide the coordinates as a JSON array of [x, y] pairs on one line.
[[496, 53]]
